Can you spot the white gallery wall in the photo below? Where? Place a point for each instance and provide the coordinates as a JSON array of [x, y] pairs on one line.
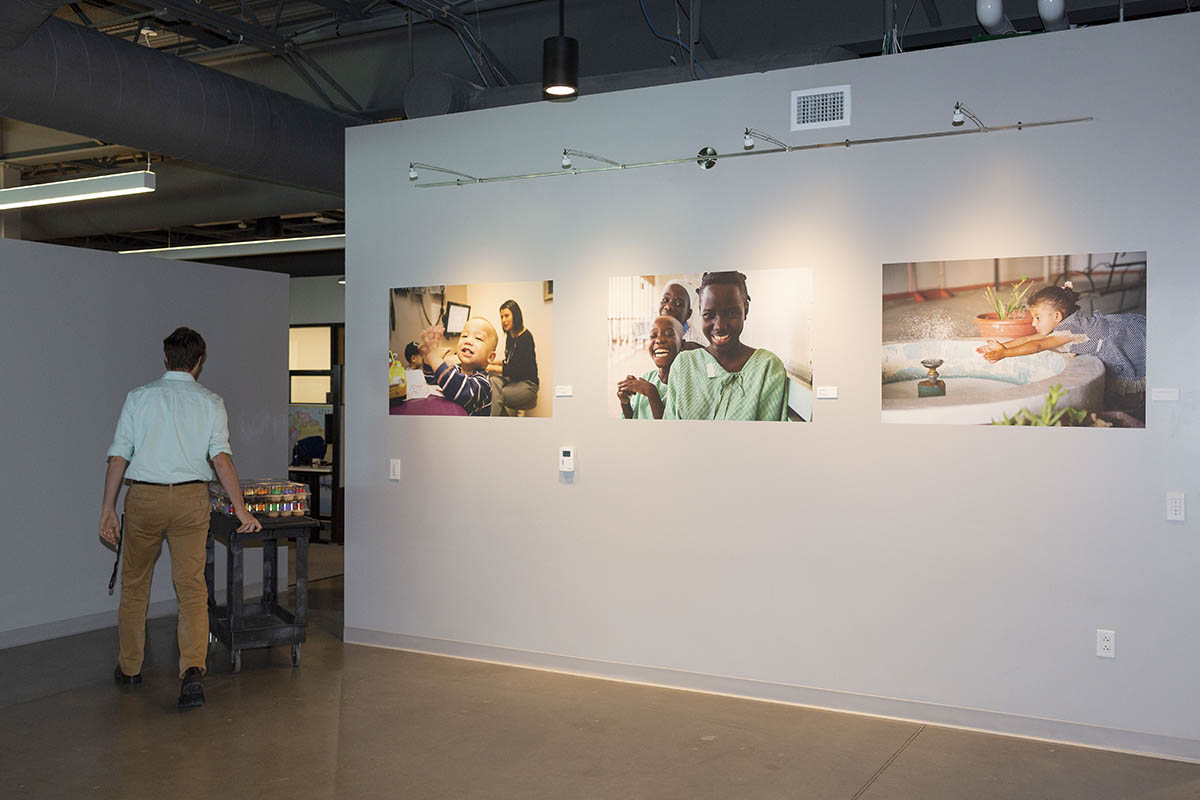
[[956, 575], [78, 330], [317, 301]]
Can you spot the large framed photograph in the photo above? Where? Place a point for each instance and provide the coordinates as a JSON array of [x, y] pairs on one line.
[[720, 345], [1034, 341], [478, 350]]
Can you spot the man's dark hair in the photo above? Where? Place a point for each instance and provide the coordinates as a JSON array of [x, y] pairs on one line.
[[183, 348]]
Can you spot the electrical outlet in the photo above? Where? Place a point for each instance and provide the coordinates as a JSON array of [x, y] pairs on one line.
[[1176, 512], [1106, 643], [394, 470]]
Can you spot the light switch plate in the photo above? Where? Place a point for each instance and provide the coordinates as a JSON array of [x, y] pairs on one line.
[[827, 393], [394, 470], [1176, 512]]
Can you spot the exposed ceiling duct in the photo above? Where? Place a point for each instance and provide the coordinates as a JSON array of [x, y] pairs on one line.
[[76, 79]]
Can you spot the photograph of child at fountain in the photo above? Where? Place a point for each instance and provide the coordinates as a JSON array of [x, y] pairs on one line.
[[1119, 340], [750, 367], [1056, 341]]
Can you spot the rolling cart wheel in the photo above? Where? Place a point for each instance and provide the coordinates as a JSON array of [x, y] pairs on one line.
[[296, 655], [236, 658]]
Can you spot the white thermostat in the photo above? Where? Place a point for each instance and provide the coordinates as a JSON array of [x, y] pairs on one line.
[[566, 459]]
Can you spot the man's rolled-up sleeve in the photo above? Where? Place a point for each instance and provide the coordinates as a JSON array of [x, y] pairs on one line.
[[218, 440], [123, 439]]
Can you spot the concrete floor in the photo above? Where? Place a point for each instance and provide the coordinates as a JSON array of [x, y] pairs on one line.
[[360, 722]]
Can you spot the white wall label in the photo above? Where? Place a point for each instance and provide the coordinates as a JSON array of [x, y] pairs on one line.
[[1164, 395], [827, 393], [563, 391], [394, 469]]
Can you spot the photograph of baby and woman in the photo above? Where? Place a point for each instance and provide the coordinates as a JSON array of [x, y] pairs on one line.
[[1047, 340], [479, 350], [719, 345]]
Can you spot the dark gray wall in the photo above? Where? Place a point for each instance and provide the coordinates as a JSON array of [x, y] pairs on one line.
[[79, 329], [944, 573]]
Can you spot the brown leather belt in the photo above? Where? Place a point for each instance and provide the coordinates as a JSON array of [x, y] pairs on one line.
[[131, 482]]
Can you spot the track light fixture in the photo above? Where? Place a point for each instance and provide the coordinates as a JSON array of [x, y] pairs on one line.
[[568, 152], [961, 112], [412, 172], [751, 134], [560, 63]]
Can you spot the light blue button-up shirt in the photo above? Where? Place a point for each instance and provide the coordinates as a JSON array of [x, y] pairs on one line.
[[169, 429]]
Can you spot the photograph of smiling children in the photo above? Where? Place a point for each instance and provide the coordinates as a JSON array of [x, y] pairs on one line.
[[1055, 341], [475, 350], [725, 344]]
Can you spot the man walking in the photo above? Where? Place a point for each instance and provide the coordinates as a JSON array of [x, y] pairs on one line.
[[168, 432]]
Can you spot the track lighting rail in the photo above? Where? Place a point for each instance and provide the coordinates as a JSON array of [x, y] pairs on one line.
[[610, 166]]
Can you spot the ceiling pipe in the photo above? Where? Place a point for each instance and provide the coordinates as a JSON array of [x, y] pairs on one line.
[[21, 19], [992, 18], [1053, 14], [76, 79]]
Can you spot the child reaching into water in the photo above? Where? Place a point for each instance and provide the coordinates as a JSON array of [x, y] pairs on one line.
[[642, 398], [728, 379], [1119, 340]]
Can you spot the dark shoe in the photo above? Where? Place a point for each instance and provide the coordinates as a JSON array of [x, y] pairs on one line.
[[191, 693], [126, 680]]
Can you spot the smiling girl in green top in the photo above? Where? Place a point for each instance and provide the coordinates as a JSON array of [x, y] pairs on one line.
[[728, 379]]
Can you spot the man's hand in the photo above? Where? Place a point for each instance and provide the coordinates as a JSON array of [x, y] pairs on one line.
[[110, 527], [250, 524]]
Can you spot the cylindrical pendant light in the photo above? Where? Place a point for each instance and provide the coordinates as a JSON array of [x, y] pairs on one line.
[[560, 62]]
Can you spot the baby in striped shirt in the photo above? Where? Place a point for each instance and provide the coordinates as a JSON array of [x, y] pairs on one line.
[[466, 382]]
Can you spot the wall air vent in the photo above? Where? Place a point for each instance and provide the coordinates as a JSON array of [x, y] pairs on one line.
[[827, 107]]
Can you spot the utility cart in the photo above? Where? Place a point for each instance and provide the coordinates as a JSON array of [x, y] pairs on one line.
[[238, 624]]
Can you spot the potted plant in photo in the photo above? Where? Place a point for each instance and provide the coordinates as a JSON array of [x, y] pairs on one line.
[[1010, 317], [1067, 417]]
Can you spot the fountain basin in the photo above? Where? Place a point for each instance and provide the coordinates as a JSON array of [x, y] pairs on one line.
[[979, 392]]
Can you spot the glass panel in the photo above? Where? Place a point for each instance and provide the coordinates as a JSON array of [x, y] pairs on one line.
[[308, 348], [309, 388]]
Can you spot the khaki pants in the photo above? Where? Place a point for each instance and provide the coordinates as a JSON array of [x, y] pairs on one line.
[[181, 514]]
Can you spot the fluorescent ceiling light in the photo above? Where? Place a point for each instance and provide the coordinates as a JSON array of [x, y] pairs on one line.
[[44, 194], [296, 244]]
